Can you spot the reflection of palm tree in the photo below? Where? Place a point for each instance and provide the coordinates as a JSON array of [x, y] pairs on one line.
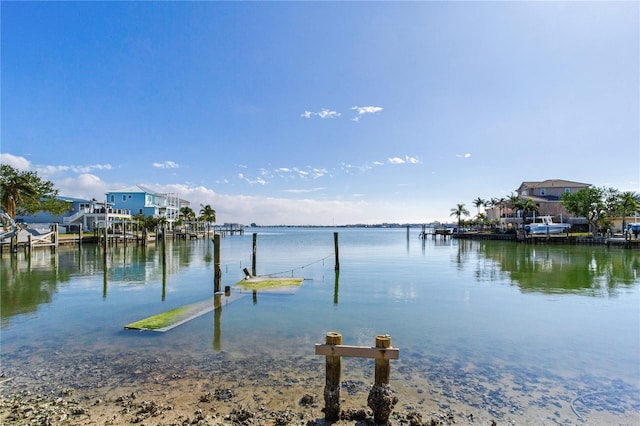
[[458, 212]]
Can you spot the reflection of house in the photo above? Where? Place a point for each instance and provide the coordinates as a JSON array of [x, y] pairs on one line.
[[90, 213], [143, 201], [546, 195]]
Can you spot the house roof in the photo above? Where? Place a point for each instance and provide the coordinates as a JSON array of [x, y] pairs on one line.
[[552, 183], [133, 189], [72, 199]]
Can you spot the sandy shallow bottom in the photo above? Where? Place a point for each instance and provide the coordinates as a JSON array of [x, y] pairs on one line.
[[116, 387]]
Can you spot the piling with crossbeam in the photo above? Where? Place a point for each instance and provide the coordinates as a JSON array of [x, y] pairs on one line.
[[332, 384], [381, 399]]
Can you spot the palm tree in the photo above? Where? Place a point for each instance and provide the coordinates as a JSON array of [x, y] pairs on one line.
[[628, 204], [208, 215], [15, 188], [527, 205], [188, 213], [512, 202], [458, 212], [478, 202]]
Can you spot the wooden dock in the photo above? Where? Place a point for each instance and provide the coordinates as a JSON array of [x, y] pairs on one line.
[[551, 239]]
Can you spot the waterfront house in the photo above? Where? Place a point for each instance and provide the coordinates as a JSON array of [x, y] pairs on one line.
[[547, 196], [91, 214], [143, 201]]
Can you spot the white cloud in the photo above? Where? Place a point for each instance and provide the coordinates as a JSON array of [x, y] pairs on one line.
[[166, 165], [47, 171], [323, 113], [406, 159], [16, 162], [85, 186], [318, 173], [303, 191], [367, 109], [467, 155]]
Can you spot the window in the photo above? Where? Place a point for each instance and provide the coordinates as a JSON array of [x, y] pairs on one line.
[[567, 190], [542, 191], [140, 211], [113, 198]]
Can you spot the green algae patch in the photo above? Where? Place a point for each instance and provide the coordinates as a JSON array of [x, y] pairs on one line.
[[172, 318], [159, 321], [257, 283]]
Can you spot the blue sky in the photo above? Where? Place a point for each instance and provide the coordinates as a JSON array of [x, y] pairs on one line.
[[322, 112]]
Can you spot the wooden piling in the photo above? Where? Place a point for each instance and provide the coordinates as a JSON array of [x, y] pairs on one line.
[[383, 367], [382, 398], [217, 272], [332, 384], [104, 246], [253, 254], [164, 245], [335, 247]]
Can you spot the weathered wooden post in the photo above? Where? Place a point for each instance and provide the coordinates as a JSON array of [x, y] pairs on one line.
[[80, 235], [253, 254], [104, 245], [217, 272], [144, 237], [217, 329], [164, 246], [381, 398], [383, 366], [407, 232], [335, 246], [14, 243], [54, 236], [163, 293], [332, 383]]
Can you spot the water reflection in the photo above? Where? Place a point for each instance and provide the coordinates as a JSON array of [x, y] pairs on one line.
[[28, 280], [593, 271]]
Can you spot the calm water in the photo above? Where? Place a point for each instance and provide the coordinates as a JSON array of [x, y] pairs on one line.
[[511, 315]]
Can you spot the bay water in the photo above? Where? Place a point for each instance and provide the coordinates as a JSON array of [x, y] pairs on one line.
[[507, 330]]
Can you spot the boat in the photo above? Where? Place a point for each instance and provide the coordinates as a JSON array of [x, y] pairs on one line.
[[546, 226]]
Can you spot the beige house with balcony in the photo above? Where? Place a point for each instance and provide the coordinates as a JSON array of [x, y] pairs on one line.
[[546, 195]]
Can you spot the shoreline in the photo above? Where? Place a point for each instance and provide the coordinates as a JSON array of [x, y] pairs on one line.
[[260, 389]]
